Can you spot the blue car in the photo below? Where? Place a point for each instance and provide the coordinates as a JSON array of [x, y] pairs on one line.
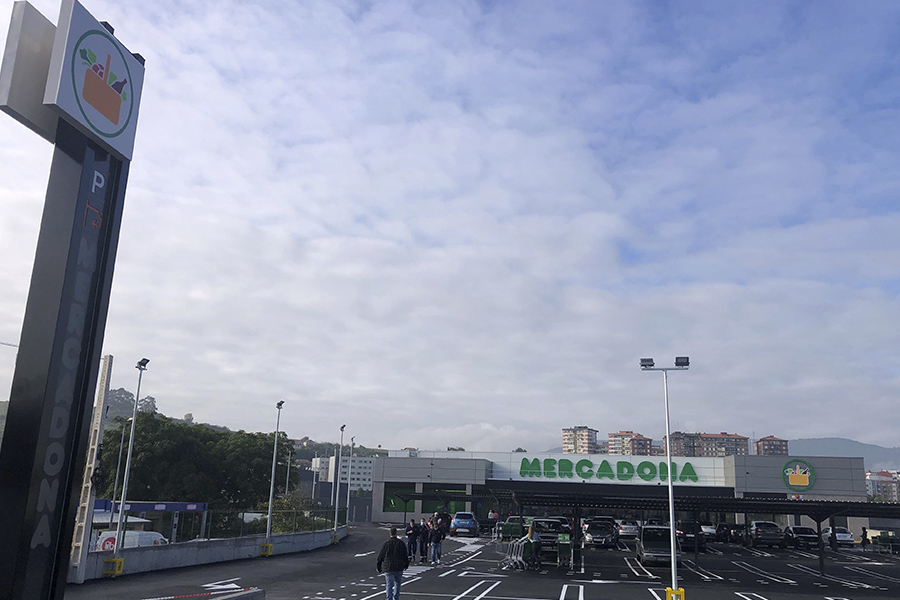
[[464, 522]]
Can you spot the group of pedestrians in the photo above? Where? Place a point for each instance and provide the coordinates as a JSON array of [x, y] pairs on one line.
[[394, 558], [424, 536]]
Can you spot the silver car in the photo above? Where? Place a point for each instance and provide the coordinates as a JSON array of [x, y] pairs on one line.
[[654, 545], [628, 528], [842, 535]]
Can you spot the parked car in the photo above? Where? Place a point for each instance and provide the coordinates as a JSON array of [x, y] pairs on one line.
[[843, 535], [690, 535], [549, 530], [487, 526], [589, 520], [601, 533], [736, 533], [723, 532], [765, 533], [464, 522], [567, 523], [709, 530], [133, 539], [628, 528], [800, 537], [654, 545]]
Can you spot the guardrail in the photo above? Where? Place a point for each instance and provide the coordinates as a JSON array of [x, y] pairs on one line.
[[201, 552]]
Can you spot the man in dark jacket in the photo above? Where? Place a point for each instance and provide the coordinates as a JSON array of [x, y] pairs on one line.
[[434, 540], [412, 534], [392, 561]]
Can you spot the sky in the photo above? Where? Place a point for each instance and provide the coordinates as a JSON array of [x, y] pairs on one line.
[[463, 223]]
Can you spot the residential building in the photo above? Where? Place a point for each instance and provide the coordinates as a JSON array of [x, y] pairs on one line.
[[883, 485], [640, 445], [360, 475], [770, 445], [620, 442], [579, 440], [709, 444]]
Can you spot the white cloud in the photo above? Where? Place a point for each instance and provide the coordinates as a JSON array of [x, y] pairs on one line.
[[477, 219]]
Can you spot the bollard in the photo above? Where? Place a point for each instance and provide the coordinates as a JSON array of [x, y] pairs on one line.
[[674, 594]]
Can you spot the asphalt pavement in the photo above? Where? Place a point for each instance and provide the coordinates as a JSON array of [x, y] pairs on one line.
[[472, 569]]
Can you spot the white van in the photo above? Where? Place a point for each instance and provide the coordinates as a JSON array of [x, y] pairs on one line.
[[133, 539]]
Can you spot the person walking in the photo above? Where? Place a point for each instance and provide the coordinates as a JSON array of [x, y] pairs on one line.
[[864, 539], [424, 533], [535, 538], [412, 534], [435, 539], [392, 561]]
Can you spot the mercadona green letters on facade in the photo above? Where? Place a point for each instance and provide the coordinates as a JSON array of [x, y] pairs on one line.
[[551, 468]]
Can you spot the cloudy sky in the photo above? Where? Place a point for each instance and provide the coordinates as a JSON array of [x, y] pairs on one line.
[[463, 223]]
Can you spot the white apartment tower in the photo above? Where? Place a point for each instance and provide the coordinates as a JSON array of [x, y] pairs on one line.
[[580, 440]]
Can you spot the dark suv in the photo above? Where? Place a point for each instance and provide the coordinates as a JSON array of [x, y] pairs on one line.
[[690, 535], [763, 533]]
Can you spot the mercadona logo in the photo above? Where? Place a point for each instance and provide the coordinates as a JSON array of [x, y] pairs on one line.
[[102, 82], [798, 475]]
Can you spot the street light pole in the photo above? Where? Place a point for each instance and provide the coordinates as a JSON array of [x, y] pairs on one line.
[[349, 471], [681, 364], [272, 485], [337, 479], [141, 366], [118, 467], [287, 477]]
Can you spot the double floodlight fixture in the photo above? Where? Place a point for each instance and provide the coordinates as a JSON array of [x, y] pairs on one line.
[[681, 362]]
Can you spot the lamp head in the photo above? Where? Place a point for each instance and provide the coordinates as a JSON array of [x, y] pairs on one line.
[[682, 361], [280, 404], [342, 426], [646, 363], [142, 364]]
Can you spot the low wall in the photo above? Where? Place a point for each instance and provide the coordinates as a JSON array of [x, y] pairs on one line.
[[188, 554]]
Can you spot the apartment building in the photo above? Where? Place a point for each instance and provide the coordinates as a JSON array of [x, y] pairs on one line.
[[628, 443], [580, 440], [360, 473], [770, 446], [883, 485], [709, 444]]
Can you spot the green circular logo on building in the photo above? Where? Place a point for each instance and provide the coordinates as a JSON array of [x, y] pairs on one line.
[[798, 475]]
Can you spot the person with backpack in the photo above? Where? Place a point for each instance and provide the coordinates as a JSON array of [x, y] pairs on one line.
[[392, 561]]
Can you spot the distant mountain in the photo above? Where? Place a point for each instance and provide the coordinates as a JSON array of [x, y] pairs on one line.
[[876, 458]]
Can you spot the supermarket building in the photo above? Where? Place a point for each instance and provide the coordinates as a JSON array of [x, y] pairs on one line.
[[414, 484]]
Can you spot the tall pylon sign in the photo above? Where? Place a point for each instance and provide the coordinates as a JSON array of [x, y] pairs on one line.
[[77, 86]]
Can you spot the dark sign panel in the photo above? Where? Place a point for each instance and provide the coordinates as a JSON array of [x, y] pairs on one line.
[[48, 422]]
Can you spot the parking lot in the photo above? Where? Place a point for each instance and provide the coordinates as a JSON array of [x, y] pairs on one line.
[[472, 570]]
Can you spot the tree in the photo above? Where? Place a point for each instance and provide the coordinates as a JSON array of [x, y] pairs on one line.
[[455, 449], [174, 461], [520, 449]]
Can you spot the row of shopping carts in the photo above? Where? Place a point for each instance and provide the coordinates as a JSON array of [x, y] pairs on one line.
[[520, 555]]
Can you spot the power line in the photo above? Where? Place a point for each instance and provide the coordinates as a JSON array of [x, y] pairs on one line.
[[8, 344]]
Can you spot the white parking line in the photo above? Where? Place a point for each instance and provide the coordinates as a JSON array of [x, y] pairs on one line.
[[750, 596], [845, 582], [629, 560], [706, 575], [761, 573], [756, 552], [565, 588], [873, 574]]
